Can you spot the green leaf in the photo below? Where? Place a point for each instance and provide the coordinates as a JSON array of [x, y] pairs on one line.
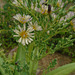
[[1, 61], [30, 48], [30, 67], [2, 71], [20, 59], [3, 30], [64, 70]]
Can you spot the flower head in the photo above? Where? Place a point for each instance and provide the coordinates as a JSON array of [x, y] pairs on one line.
[[22, 19], [70, 14], [42, 1], [60, 3], [17, 3], [48, 32], [35, 26], [25, 35], [44, 9]]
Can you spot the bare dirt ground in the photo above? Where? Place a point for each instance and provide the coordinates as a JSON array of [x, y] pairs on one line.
[[61, 60], [73, 73]]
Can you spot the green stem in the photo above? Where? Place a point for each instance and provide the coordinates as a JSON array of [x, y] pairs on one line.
[[50, 36]]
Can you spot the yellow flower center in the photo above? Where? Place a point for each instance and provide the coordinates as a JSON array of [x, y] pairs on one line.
[[74, 28], [23, 34], [71, 23], [22, 20], [66, 1], [44, 11], [34, 27], [9, 26], [8, 8], [21, 1], [58, 4]]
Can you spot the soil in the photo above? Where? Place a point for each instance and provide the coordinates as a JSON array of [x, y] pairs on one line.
[[61, 60], [73, 73]]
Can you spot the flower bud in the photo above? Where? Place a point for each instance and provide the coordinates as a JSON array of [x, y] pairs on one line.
[[49, 9]]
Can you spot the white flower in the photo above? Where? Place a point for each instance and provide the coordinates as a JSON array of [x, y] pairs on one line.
[[32, 5], [63, 18], [70, 14], [60, 3], [48, 32], [35, 8], [22, 19], [52, 8], [54, 15], [44, 9], [17, 3], [42, 1], [25, 35], [35, 26]]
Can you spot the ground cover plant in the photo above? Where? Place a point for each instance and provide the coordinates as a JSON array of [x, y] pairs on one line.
[[39, 28]]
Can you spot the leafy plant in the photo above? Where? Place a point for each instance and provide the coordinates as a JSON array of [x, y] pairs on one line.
[[6, 63], [37, 25]]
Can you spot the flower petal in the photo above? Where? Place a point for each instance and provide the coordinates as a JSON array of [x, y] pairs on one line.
[[16, 31], [23, 41], [19, 27], [24, 26], [26, 41], [20, 40], [15, 35]]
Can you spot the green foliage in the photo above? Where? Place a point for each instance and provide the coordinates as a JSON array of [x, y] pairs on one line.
[[69, 51], [64, 70], [27, 56], [6, 38], [20, 60], [6, 63], [51, 65]]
